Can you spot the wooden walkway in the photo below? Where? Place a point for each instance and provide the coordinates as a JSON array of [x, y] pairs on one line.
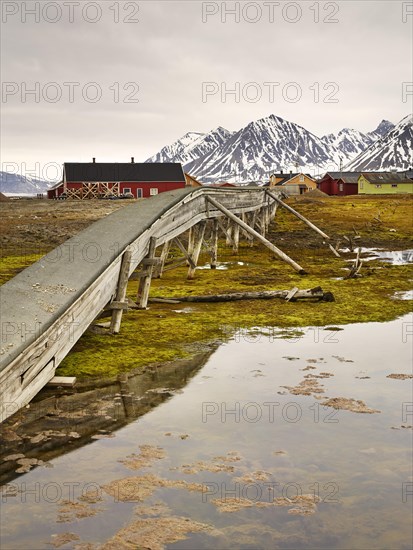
[[47, 307]]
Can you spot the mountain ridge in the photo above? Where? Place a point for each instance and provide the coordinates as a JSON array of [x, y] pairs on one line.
[[271, 144]]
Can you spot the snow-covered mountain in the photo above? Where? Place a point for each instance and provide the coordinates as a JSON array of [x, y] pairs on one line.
[[349, 142], [16, 183], [264, 146], [192, 146], [382, 129], [393, 151]]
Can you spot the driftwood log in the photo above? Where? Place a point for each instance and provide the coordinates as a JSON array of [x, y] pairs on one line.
[[317, 294]]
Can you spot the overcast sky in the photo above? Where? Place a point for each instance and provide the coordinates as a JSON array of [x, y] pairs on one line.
[[144, 73]]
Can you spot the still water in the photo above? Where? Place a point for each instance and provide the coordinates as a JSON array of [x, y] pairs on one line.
[[235, 436]]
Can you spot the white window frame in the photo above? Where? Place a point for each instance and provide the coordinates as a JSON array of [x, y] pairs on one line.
[[340, 187], [153, 191], [361, 184], [139, 192], [378, 185], [301, 177], [127, 190]]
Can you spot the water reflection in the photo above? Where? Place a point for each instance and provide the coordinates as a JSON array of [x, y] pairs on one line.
[[60, 421], [237, 432], [394, 257]]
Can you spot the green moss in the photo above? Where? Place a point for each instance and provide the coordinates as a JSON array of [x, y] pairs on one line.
[[162, 333]]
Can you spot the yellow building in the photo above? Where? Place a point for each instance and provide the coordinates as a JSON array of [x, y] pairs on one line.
[[385, 183], [293, 184]]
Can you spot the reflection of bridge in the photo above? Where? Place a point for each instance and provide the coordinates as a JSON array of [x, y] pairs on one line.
[[47, 307], [58, 422]]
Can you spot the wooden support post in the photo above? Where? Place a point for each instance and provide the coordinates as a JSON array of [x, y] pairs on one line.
[[229, 240], [146, 275], [259, 237], [214, 248], [225, 231], [188, 258], [121, 290], [297, 214], [190, 250], [235, 238], [261, 218], [162, 259], [245, 219], [269, 217], [197, 248], [254, 219]]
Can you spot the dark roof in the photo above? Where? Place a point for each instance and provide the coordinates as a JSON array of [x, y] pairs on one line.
[[123, 171], [284, 176], [288, 177], [387, 177], [345, 177]]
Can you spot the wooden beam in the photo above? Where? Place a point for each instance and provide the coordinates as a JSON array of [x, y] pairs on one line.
[[257, 235], [235, 238], [121, 290], [297, 214], [291, 294], [190, 251], [197, 248], [162, 259], [228, 237], [63, 381], [174, 265], [214, 248], [182, 248], [145, 281]]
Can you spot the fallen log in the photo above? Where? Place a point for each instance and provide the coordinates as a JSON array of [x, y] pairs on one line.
[[317, 294]]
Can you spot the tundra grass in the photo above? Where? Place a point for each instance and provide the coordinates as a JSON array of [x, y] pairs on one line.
[[166, 332]]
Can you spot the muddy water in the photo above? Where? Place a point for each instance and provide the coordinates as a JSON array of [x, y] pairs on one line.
[[246, 440]]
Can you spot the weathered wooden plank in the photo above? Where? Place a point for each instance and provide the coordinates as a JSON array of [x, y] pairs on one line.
[[162, 259], [145, 282], [182, 248], [199, 237], [257, 235], [214, 247], [121, 291], [63, 381], [291, 294]]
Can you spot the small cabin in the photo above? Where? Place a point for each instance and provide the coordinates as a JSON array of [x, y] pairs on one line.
[[339, 183]]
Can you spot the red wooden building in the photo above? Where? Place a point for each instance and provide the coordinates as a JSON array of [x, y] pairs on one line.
[[97, 180], [339, 183]]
